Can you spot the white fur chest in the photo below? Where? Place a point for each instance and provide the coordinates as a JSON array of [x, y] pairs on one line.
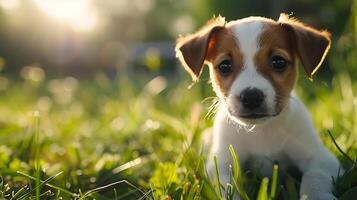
[[268, 141]]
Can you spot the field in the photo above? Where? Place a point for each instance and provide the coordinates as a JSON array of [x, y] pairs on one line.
[[136, 133], [121, 139]]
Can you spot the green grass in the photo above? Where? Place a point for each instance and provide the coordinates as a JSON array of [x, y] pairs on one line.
[[124, 139]]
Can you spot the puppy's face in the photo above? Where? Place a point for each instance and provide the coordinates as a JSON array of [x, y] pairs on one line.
[[253, 62]]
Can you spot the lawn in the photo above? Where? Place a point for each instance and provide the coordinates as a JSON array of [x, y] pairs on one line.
[[120, 138], [137, 133]]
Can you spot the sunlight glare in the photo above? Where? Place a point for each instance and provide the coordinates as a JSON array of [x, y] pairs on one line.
[[79, 14], [9, 4]]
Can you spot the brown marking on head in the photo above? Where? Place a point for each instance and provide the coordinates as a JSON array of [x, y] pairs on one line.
[[311, 45], [193, 49], [224, 47], [290, 40], [275, 41]]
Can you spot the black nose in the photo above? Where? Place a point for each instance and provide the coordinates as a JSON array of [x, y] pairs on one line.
[[251, 98]]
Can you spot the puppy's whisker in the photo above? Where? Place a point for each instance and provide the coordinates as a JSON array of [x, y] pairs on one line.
[[249, 128], [212, 108], [209, 98]]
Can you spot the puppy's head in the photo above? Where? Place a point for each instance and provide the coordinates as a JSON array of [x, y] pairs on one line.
[[253, 61]]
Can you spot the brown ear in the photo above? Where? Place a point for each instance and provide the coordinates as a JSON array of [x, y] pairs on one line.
[[311, 45], [192, 50]]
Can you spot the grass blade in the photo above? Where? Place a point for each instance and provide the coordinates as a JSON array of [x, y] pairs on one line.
[[50, 185], [263, 190], [218, 184], [273, 189], [18, 193], [237, 175], [229, 191], [2, 189], [291, 189], [339, 148], [37, 153], [236, 168], [194, 191], [39, 186], [90, 192]]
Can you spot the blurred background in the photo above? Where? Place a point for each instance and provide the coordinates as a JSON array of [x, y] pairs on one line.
[[92, 88], [81, 37]]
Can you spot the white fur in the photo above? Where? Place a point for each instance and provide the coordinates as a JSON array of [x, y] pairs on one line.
[[289, 138], [250, 78], [247, 39], [246, 33]]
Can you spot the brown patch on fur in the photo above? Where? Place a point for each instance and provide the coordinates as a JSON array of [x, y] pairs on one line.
[[224, 46], [311, 45], [290, 39], [275, 41], [192, 49]]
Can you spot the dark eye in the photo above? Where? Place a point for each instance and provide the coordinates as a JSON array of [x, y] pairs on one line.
[[278, 63], [225, 67]]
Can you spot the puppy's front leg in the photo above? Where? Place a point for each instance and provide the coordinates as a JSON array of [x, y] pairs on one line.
[[317, 165], [308, 153], [316, 182]]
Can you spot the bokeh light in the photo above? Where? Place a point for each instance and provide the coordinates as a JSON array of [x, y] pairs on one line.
[[4, 82], [63, 89], [9, 4], [32, 73], [79, 14]]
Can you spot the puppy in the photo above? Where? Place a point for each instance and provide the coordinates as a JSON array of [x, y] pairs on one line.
[[253, 70]]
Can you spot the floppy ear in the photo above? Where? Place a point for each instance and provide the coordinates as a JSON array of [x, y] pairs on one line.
[[311, 45], [192, 50]]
